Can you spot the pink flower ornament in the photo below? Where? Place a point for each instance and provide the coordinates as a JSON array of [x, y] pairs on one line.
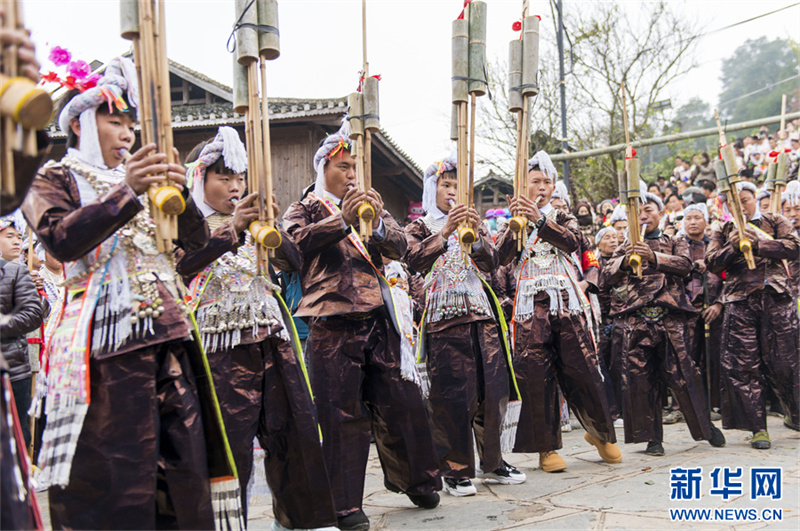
[[60, 56]]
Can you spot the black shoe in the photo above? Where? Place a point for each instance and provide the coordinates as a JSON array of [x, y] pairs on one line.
[[353, 521], [506, 475], [654, 448], [717, 440], [425, 501]]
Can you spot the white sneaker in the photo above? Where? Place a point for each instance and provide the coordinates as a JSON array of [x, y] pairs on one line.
[[505, 475], [459, 487]]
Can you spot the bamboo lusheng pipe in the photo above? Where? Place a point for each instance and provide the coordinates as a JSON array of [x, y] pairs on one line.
[[734, 201], [246, 34], [269, 237], [23, 107], [145, 23], [366, 213], [523, 64], [634, 230], [783, 112], [460, 61], [361, 130], [26, 105], [530, 56], [769, 182], [725, 186], [782, 165], [250, 79], [466, 235], [518, 224], [269, 47], [460, 95], [454, 123], [476, 13], [240, 94], [632, 167], [781, 170], [515, 76], [622, 181], [372, 124]]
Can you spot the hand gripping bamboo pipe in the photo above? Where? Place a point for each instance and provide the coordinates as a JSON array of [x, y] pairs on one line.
[[468, 83], [523, 55], [257, 41], [144, 22], [23, 107], [364, 118], [632, 167], [727, 183]]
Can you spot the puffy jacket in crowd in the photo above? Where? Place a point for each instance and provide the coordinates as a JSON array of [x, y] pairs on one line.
[[21, 311]]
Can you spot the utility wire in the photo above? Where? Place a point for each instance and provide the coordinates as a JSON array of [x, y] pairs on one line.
[[768, 86], [748, 20]]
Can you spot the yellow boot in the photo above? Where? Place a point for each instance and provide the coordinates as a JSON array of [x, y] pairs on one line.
[[551, 462], [608, 451]]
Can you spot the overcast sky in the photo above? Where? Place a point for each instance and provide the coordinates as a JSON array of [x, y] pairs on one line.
[[408, 44]]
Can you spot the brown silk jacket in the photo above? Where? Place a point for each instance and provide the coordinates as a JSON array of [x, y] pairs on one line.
[[661, 283], [694, 283], [740, 282], [336, 278], [69, 231], [224, 239]]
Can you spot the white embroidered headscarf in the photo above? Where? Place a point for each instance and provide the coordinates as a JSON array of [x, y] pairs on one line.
[[430, 182], [332, 145], [791, 193], [700, 207], [119, 78], [602, 232], [562, 193], [227, 145], [541, 160], [619, 214]]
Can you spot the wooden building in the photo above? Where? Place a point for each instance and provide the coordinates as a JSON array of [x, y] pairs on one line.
[[491, 191], [200, 105]]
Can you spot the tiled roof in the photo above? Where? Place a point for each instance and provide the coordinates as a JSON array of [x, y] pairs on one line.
[[403, 155], [217, 114], [493, 177]]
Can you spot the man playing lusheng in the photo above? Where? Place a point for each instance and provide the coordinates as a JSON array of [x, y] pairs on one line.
[[704, 289], [259, 378], [760, 332], [141, 459], [553, 344], [654, 348], [353, 347], [467, 364]]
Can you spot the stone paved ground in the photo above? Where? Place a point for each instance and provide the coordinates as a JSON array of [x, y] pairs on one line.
[[591, 494]]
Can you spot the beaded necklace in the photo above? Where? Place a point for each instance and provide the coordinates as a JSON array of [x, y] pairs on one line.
[[232, 297], [143, 265], [453, 288]]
